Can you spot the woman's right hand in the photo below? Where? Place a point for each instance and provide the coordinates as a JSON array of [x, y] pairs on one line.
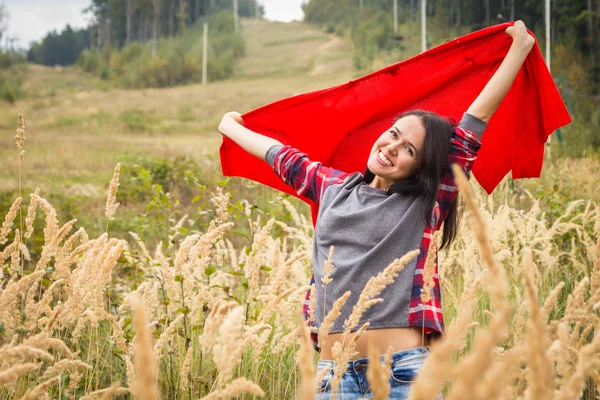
[[230, 118]]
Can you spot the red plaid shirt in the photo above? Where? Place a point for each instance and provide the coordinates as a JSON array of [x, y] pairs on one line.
[[310, 179]]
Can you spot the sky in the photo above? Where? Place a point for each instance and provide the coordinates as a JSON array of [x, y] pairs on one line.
[[31, 20]]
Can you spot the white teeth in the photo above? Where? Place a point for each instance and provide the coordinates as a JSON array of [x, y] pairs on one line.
[[384, 160]]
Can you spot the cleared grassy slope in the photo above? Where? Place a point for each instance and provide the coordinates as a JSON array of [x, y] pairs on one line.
[[78, 127]]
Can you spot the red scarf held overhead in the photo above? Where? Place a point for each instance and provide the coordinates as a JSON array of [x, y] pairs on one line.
[[338, 126]]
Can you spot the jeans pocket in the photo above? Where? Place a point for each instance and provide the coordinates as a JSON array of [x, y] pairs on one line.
[[405, 371]]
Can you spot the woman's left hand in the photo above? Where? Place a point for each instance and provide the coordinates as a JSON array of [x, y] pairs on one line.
[[521, 38]]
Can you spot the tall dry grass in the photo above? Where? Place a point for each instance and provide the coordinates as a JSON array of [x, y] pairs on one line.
[[521, 302]]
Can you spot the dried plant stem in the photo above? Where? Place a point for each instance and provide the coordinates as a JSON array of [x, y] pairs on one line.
[[111, 203], [41, 388], [540, 378], [20, 141], [305, 360], [378, 375], [481, 356], [236, 388], [15, 371], [145, 365]]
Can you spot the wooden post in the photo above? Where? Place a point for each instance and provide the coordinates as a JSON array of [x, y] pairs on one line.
[[205, 56], [236, 17], [548, 33], [423, 25], [396, 16], [128, 22], [156, 10], [547, 17], [512, 10]]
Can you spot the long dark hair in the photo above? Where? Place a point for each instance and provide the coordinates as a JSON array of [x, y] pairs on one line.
[[433, 167]]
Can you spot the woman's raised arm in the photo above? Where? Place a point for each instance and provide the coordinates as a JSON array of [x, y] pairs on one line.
[[232, 126], [488, 101]]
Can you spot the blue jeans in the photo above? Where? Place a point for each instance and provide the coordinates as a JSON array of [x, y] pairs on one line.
[[405, 366]]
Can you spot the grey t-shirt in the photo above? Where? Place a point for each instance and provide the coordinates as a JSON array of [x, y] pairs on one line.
[[369, 229]]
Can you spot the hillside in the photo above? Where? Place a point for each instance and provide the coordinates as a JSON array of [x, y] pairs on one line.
[[78, 127]]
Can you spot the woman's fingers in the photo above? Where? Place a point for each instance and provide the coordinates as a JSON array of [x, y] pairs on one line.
[[517, 29], [518, 32]]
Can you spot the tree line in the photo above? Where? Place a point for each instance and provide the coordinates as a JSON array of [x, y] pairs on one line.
[[119, 23], [12, 63], [574, 23]]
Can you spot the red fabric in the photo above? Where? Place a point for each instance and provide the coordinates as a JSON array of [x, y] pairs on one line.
[[337, 126]]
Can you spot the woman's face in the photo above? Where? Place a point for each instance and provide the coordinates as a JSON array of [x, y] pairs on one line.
[[397, 153]]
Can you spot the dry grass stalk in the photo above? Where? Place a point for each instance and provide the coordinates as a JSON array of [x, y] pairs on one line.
[[29, 220], [502, 374], [374, 287], [166, 335], [213, 321], [14, 288], [145, 365], [61, 366], [587, 363], [43, 341], [111, 204], [342, 353], [10, 354], [256, 257], [220, 201], [8, 220], [50, 231], [15, 255], [438, 366], [331, 316], [41, 389], [229, 346], [20, 137], [105, 394], [236, 388], [481, 355], [540, 378], [328, 268], [184, 372], [131, 377], [10, 374], [311, 304], [552, 298], [305, 360], [563, 356], [378, 375]]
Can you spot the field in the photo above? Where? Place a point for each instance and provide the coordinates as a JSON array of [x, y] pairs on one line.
[[193, 289]]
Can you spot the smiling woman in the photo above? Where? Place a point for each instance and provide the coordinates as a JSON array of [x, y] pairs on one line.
[[405, 195]]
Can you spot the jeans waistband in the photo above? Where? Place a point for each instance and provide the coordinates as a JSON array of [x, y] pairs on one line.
[[397, 356]]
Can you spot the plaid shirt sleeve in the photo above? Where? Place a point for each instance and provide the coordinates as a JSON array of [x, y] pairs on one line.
[[464, 146], [308, 178]]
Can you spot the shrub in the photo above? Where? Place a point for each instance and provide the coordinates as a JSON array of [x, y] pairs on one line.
[[178, 60]]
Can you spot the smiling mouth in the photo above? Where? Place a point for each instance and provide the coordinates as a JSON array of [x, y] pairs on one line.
[[381, 157]]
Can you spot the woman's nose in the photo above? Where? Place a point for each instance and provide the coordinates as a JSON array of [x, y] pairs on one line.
[[392, 148]]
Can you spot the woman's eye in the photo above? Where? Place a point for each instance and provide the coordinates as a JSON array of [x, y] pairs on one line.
[[394, 134], [409, 150]]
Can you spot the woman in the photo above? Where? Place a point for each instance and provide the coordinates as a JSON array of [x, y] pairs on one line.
[[404, 196]]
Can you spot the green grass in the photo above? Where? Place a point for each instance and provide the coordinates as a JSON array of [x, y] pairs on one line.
[[79, 127]]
